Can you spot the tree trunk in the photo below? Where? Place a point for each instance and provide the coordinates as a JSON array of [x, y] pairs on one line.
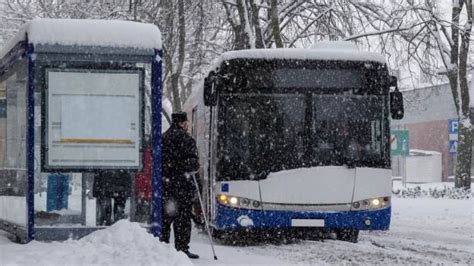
[[237, 30], [243, 38], [453, 71], [168, 47], [464, 157], [256, 22], [197, 51], [176, 99], [275, 23], [464, 153], [181, 50], [176, 102]]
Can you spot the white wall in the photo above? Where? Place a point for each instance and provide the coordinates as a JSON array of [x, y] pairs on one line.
[[424, 167]]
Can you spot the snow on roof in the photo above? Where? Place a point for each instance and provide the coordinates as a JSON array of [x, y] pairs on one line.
[[344, 52], [105, 33]]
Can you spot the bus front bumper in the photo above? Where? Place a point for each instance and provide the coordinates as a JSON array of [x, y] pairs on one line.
[[235, 218]]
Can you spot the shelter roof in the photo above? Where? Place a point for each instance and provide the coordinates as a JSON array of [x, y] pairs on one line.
[[87, 32]]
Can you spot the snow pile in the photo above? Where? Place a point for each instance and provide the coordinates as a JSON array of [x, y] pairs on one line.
[[436, 192], [123, 243], [88, 32]]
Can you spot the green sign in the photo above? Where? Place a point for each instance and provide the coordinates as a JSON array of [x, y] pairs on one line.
[[399, 142]]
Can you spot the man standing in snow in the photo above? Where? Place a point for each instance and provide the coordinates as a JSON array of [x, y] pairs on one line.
[[180, 161]]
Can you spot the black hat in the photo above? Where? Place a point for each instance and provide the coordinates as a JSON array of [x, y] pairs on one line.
[[179, 117]]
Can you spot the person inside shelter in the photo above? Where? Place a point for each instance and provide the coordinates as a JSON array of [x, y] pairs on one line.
[[111, 185]]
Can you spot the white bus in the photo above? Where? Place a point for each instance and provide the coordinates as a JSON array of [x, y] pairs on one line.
[[296, 139]]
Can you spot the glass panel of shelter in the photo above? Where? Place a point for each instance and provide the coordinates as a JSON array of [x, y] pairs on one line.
[[68, 198], [13, 145]]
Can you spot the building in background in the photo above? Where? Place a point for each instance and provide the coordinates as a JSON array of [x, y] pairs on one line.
[[430, 117]]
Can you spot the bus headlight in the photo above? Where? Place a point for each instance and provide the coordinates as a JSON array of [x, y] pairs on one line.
[[233, 200], [375, 202], [371, 204], [240, 202]]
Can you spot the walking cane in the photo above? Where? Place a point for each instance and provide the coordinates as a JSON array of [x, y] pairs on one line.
[[205, 219]]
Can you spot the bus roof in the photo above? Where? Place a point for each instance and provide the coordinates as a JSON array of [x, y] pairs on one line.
[[324, 52], [87, 32]]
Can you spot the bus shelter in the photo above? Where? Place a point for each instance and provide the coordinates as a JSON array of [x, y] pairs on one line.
[[78, 98]]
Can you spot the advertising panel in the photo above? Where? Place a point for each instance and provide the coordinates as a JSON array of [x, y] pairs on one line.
[[93, 119]]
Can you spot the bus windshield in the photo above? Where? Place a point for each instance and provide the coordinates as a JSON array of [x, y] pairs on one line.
[[347, 130], [267, 132], [261, 133]]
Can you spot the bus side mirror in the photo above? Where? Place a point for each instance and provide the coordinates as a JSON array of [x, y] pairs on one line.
[[210, 94], [396, 100]]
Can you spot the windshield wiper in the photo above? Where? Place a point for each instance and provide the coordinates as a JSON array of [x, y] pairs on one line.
[[262, 175], [351, 164]]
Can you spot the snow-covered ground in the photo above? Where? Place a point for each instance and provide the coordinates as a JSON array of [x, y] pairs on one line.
[[424, 231]]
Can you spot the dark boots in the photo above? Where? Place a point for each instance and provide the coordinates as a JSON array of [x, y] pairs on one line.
[[191, 255]]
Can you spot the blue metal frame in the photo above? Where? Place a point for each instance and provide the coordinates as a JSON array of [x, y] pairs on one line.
[[30, 142], [226, 218], [156, 93]]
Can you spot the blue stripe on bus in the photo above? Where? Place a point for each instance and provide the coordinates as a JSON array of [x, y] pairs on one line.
[[226, 218]]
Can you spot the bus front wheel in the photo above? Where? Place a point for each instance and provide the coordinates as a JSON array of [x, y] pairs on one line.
[[217, 234], [349, 235]]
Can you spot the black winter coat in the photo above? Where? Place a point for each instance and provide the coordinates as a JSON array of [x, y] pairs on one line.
[[109, 183], [180, 157]]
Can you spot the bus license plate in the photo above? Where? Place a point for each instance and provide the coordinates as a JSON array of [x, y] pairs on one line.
[[307, 222]]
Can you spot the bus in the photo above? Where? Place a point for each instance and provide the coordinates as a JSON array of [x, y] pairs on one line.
[[296, 139]]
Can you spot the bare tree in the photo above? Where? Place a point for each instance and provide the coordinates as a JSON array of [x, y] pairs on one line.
[[421, 26], [196, 31], [457, 74]]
